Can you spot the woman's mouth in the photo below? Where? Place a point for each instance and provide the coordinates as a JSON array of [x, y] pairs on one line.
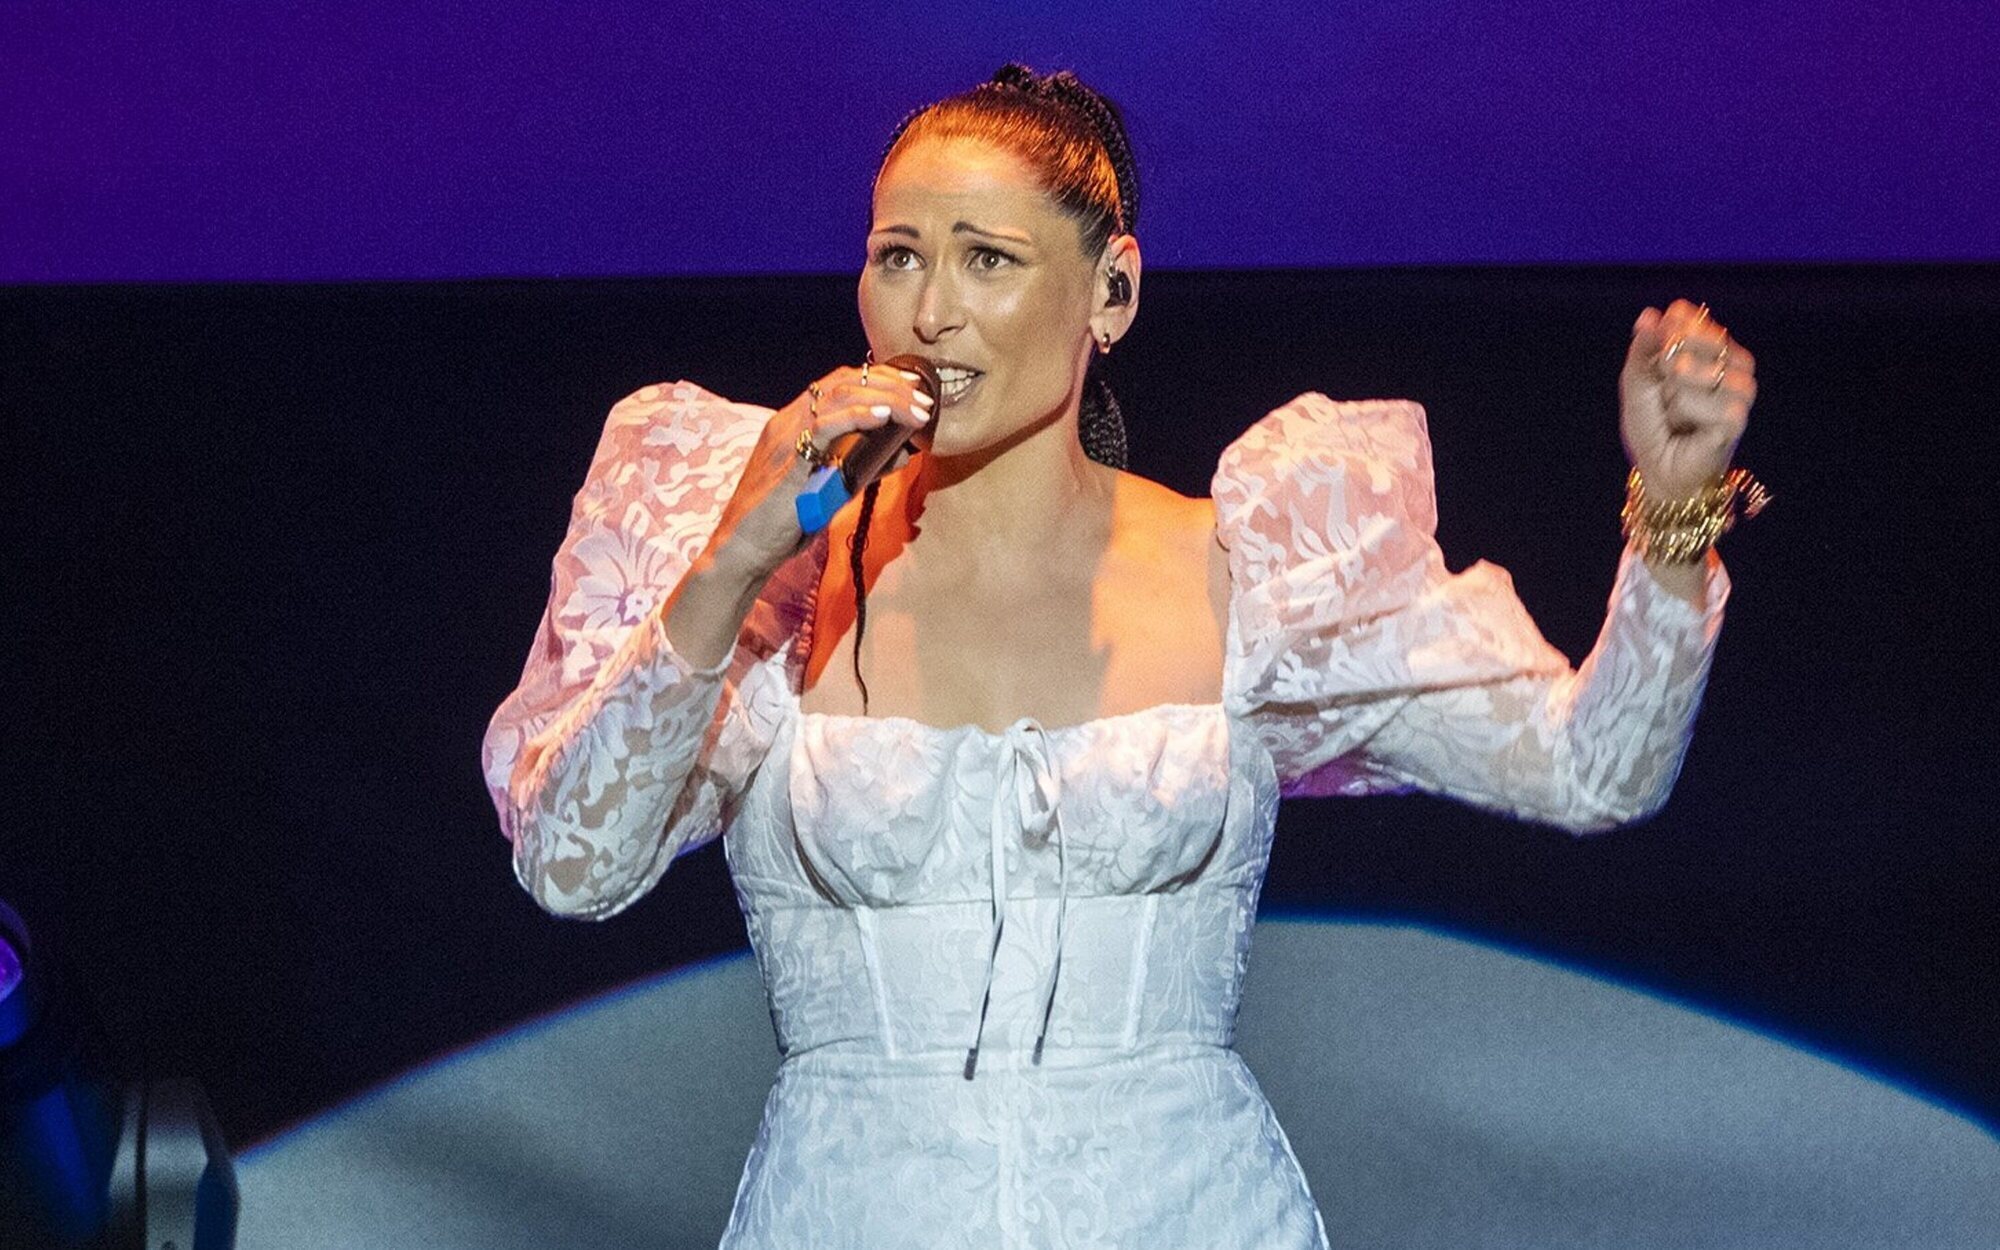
[[954, 383]]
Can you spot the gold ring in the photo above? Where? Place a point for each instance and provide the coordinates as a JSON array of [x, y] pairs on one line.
[[1673, 349], [809, 451]]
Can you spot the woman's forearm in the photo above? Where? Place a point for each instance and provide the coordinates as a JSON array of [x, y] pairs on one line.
[[1684, 581], [706, 611]]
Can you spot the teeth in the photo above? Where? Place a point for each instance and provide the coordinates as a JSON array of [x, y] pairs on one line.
[[947, 373]]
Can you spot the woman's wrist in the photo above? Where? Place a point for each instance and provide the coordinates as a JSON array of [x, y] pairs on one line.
[[1681, 531], [1686, 582], [706, 611]]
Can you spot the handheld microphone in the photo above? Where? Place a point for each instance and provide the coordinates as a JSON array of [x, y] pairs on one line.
[[857, 458]]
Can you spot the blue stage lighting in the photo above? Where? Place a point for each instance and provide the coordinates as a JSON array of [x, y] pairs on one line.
[[72, 1172]]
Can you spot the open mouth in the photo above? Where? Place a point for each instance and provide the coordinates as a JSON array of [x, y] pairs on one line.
[[955, 382]]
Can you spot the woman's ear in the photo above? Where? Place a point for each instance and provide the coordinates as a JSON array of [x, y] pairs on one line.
[[1117, 290]]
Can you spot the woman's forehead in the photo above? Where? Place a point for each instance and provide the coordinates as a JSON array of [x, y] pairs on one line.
[[962, 176]]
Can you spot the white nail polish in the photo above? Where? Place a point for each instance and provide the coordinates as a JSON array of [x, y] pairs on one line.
[[923, 397], [879, 410]]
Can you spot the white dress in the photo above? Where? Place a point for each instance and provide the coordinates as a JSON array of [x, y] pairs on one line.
[[931, 907]]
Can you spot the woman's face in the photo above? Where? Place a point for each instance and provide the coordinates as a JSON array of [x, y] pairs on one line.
[[972, 265]]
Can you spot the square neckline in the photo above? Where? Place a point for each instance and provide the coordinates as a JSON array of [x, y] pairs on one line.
[[973, 729]]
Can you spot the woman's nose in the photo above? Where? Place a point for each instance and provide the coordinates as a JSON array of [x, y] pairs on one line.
[[939, 311]]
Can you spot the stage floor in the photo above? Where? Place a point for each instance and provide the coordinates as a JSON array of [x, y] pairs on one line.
[[1437, 1091]]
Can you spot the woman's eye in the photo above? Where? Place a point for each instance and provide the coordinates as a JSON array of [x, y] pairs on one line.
[[989, 259], [895, 256]]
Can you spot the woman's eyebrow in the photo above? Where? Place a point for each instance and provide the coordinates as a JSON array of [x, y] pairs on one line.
[[1011, 236], [960, 227]]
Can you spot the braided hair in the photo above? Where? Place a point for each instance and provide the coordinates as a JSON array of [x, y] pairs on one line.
[[1073, 137]]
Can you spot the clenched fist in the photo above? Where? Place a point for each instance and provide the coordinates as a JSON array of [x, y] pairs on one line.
[[1685, 397]]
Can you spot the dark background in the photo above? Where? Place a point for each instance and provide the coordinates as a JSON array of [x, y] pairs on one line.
[[274, 553]]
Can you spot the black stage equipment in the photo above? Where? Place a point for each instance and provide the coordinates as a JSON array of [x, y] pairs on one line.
[[88, 1162]]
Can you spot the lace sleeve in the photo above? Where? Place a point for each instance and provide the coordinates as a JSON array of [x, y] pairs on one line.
[[615, 754], [1366, 667]]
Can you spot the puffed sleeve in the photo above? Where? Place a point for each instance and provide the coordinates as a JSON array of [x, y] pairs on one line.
[[1365, 667], [615, 754]]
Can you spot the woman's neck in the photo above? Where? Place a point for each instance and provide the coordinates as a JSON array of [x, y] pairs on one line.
[[1025, 494]]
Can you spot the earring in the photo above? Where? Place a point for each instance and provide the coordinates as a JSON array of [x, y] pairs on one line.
[[1104, 343]]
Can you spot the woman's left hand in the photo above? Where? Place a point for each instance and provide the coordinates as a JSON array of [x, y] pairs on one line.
[[1685, 399]]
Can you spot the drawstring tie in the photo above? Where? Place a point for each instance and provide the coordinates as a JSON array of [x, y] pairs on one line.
[[1033, 811]]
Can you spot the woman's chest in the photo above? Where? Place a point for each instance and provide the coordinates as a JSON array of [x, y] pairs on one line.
[[1138, 629], [887, 811]]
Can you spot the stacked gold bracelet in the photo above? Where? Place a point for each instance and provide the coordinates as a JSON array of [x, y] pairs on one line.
[[1681, 531]]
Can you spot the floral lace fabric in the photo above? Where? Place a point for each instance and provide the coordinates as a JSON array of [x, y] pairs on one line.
[[1004, 968]]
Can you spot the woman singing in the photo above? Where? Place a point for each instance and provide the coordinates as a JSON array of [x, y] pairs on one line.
[[996, 757]]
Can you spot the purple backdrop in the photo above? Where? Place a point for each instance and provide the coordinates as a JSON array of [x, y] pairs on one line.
[[398, 140]]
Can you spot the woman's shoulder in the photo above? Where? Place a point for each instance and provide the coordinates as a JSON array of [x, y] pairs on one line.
[[1386, 439], [1312, 426], [683, 404], [665, 465], [1174, 536], [1360, 449], [1156, 508], [673, 431]]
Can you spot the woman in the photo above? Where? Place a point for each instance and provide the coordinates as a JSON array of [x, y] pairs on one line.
[[999, 782]]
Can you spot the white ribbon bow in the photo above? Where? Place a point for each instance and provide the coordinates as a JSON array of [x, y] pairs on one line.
[[1033, 812]]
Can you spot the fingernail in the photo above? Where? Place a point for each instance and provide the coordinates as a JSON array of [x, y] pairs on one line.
[[923, 397], [879, 410], [921, 414]]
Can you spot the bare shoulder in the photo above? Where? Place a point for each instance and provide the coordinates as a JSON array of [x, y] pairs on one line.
[[1175, 534], [1153, 509]]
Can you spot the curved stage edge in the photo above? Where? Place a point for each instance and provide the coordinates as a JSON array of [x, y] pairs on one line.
[[1438, 1092]]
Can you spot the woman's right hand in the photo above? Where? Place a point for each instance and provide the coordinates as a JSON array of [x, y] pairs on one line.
[[759, 529]]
